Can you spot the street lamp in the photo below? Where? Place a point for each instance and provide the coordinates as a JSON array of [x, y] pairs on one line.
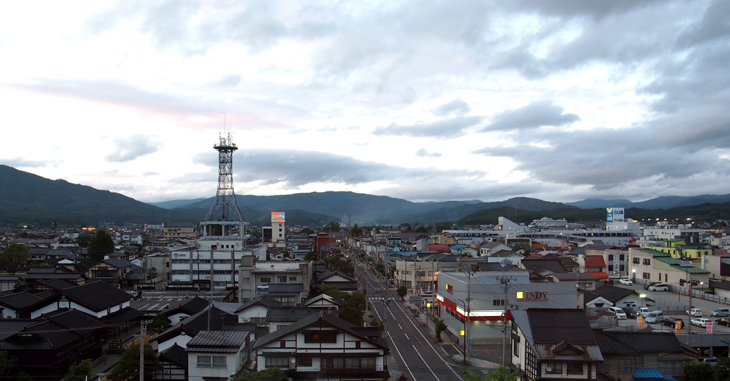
[[464, 332]]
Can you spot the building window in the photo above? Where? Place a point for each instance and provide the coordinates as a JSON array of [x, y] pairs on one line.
[[516, 348], [211, 361], [635, 261], [646, 275], [621, 268], [610, 267], [575, 369], [498, 302], [553, 368], [621, 257], [265, 280], [646, 261], [626, 365], [304, 361], [277, 362], [292, 279], [282, 279], [246, 280]]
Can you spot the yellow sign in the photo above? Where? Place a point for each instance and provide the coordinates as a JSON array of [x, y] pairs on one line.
[[520, 295], [640, 320], [428, 305], [461, 332]]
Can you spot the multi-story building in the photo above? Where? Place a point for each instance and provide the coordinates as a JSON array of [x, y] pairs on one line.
[[649, 265], [178, 231], [255, 277]]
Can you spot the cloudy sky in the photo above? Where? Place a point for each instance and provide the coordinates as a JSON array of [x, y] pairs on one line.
[[438, 100]]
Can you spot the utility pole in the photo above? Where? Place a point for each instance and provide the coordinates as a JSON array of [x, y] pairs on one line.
[[689, 317], [143, 326], [506, 284]]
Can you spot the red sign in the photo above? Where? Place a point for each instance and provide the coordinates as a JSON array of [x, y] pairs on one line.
[[709, 327]]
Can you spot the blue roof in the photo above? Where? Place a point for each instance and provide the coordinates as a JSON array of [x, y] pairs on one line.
[[452, 247], [651, 374]]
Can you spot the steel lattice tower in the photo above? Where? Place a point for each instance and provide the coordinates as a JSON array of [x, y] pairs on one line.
[[224, 212]]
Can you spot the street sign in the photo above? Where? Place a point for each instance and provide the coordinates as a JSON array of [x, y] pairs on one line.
[[640, 321], [468, 342], [709, 327]]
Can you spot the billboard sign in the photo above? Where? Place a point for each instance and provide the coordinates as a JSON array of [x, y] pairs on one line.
[[614, 214], [278, 217]]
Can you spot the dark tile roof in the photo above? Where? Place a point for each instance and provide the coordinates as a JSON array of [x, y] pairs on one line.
[[289, 314], [56, 284], [626, 343], [610, 293], [555, 325], [21, 300], [217, 341], [263, 300], [199, 322], [285, 288], [494, 266], [97, 296], [323, 276], [125, 315], [118, 263], [540, 265], [176, 355], [191, 307], [9, 327]]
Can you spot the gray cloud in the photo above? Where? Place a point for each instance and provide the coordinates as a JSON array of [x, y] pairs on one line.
[[133, 147], [425, 153], [447, 128], [713, 27], [456, 107], [536, 114]]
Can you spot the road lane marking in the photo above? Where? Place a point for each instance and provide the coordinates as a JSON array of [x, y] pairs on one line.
[[424, 361], [407, 336]]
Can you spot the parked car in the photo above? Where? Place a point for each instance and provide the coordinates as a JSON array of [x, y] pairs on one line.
[[654, 316], [724, 321], [659, 287], [620, 314], [643, 311], [672, 321], [631, 313], [646, 286], [694, 312], [626, 282], [701, 322], [720, 312]]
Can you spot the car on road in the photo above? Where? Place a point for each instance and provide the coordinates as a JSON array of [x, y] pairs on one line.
[[672, 321], [643, 311], [720, 312], [694, 312], [620, 314], [659, 287], [723, 321], [701, 322], [654, 317], [626, 282], [631, 313]]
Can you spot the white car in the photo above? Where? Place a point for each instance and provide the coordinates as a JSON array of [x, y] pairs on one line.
[[694, 312], [620, 313], [659, 287], [701, 322], [626, 282]]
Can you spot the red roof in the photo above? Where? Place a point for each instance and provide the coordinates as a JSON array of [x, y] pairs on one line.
[[600, 275], [438, 248], [595, 261]]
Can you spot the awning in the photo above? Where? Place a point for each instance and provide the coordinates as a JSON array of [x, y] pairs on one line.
[[600, 275]]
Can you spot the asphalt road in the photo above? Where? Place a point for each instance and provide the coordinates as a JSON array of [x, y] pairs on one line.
[[415, 352]]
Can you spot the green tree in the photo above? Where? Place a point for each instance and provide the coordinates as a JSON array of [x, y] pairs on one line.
[[128, 366], [159, 323], [352, 315], [332, 291], [307, 231], [331, 227], [722, 369], [356, 231], [14, 258], [7, 363], [79, 372], [698, 371], [270, 374], [440, 327], [502, 373], [84, 239], [402, 291], [101, 245], [310, 256]]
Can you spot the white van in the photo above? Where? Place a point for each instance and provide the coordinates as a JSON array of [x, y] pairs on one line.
[[620, 314], [654, 317]]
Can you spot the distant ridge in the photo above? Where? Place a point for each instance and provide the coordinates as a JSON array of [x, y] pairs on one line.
[[664, 202]]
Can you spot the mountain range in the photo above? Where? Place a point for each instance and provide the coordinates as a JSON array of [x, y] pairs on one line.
[[26, 198]]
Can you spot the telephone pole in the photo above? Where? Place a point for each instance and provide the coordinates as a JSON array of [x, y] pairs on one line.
[[505, 281]]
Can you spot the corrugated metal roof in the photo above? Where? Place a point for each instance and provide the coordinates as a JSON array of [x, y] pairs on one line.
[[217, 341]]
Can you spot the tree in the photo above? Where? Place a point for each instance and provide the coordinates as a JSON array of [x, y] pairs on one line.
[[14, 258], [722, 369], [7, 363], [356, 231], [101, 245], [310, 256], [307, 231], [502, 373], [128, 366], [352, 315], [84, 239], [331, 227], [440, 327], [698, 371], [159, 323], [270, 374], [402, 291], [79, 372]]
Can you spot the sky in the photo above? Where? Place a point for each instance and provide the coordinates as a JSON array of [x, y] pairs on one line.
[[424, 101]]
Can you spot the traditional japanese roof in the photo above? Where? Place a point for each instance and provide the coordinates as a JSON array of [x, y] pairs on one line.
[[217, 341], [324, 297], [125, 315], [97, 296], [191, 307], [611, 293], [19, 301], [263, 300], [318, 320], [176, 355], [626, 343], [285, 288], [289, 314]]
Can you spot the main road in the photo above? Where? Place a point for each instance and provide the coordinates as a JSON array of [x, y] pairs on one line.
[[415, 352]]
